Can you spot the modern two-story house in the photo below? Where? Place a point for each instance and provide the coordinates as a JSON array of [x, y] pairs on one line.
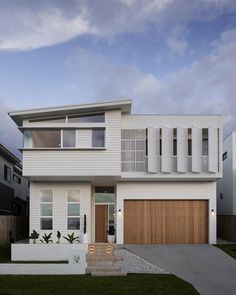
[[226, 191], [151, 177]]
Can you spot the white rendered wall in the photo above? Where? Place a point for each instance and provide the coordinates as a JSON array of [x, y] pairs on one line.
[[167, 191], [60, 190]]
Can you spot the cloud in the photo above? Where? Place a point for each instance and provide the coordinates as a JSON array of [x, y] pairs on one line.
[[206, 86], [176, 40], [28, 25]]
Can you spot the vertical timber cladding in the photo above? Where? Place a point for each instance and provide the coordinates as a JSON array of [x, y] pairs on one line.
[[165, 221]]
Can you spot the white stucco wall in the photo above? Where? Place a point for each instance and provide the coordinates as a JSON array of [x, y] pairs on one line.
[[167, 191], [60, 190]]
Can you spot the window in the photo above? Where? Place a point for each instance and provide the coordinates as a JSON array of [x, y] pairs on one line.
[[16, 179], [43, 138], [73, 210], [50, 120], [174, 141], [7, 173], [89, 118], [224, 156], [98, 137], [68, 138], [189, 142], [46, 211], [205, 142]]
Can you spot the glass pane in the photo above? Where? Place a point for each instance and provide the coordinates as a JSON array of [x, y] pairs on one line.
[[73, 223], [46, 138], [98, 137], [73, 209], [73, 196], [46, 196], [46, 223], [104, 198], [28, 139], [46, 209], [205, 147], [68, 138], [50, 120], [96, 118]]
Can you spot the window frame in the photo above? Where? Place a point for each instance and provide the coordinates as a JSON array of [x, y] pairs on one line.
[[67, 210], [40, 208], [7, 172]]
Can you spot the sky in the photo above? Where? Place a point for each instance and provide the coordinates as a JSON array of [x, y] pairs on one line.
[[168, 56]]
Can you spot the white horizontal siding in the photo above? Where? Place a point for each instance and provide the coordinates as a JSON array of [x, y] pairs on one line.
[[83, 138], [80, 163], [60, 207]]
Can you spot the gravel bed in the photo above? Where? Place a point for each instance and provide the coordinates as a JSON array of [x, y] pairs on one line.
[[132, 263]]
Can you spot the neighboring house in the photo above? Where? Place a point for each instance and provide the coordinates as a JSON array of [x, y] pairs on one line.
[[152, 177], [14, 189], [226, 191]]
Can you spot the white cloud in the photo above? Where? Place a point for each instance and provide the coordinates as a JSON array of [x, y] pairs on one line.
[[176, 40], [27, 25], [206, 86]]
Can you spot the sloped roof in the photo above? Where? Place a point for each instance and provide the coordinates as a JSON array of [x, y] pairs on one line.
[[19, 116]]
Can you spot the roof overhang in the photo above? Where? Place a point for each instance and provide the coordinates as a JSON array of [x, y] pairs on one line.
[[19, 116], [9, 156]]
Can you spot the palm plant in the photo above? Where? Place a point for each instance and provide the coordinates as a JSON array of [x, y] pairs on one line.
[[34, 236], [71, 238], [46, 238]]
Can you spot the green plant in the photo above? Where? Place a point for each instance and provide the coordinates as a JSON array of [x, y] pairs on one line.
[[46, 238], [58, 237], [34, 236], [71, 238]]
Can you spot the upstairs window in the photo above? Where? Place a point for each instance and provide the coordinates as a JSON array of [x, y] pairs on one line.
[[49, 120], [68, 138], [98, 137], [189, 142], [89, 118], [42, 138], [7, 173], [205, 142]]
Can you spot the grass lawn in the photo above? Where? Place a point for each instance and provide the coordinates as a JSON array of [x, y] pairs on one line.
[[84, 284], [230, 249]]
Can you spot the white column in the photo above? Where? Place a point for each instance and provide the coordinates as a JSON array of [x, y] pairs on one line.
[[153, 149], [167, 150], [182, 149], [196, 149]]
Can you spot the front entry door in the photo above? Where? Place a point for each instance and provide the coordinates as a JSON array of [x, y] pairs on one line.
[[101, 226]]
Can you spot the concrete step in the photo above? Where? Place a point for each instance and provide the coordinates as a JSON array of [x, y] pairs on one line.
[[92, 258], [107, 268]]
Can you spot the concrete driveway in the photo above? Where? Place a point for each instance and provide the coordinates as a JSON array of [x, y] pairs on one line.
[[206, 267]]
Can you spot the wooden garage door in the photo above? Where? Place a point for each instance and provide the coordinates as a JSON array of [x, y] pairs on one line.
[[165, 222]]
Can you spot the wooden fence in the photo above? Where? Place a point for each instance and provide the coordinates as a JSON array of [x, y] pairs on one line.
[[17, 225]]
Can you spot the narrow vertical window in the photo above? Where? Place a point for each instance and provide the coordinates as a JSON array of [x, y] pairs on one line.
[[68, 138], [7, 173], [205, 142], [189, 142], [46, 210], [73, 210], [98, 137], [174, 141]]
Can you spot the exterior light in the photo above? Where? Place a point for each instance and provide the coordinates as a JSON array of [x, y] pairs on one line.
[[119, 212], [212, 212]]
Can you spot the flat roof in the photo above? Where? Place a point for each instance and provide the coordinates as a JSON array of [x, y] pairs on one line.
[[19, 116]]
